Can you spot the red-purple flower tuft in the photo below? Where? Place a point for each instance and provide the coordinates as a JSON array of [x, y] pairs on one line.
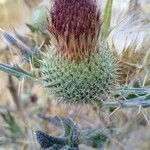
[[75, 25]]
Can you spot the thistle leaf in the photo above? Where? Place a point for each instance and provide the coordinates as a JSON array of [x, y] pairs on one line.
[[93, 137], [74, 137], [67, 124], [13, 41], [16, 71], [68, 148], [107, 18], [47, 141], [132, 90]]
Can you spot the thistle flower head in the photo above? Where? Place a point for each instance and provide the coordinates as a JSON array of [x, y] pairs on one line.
[[75, 26]]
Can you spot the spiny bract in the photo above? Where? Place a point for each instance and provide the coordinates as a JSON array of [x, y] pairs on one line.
[[83, 83]]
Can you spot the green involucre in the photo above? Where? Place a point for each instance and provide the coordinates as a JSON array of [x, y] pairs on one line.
[[85, 82]]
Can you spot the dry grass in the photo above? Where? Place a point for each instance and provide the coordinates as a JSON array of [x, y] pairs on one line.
[[132, 124]]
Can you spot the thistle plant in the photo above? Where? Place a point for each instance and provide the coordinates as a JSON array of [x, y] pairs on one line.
[[76, 66]]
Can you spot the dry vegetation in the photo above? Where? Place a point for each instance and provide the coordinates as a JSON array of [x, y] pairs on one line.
[[30, 105]]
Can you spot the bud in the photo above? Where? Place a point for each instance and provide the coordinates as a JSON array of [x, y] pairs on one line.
[[75, 26]]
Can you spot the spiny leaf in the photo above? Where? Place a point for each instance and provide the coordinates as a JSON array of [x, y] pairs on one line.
[[16, 71], [132, 90], [13, 41], [93, 137], [141, 101], [47, 141]]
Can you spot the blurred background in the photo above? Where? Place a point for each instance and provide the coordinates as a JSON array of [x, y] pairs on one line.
[[31, 104]]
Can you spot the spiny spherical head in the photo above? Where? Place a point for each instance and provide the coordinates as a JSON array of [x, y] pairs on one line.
[[84, 82], [75, 26]]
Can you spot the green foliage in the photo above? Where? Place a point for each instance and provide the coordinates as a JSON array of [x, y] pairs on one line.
[[36, 58], [73, 137], [136, 96], [67, 125], [107, 19], [91, 137], [17, 71], [126, 90], [47, 141]]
